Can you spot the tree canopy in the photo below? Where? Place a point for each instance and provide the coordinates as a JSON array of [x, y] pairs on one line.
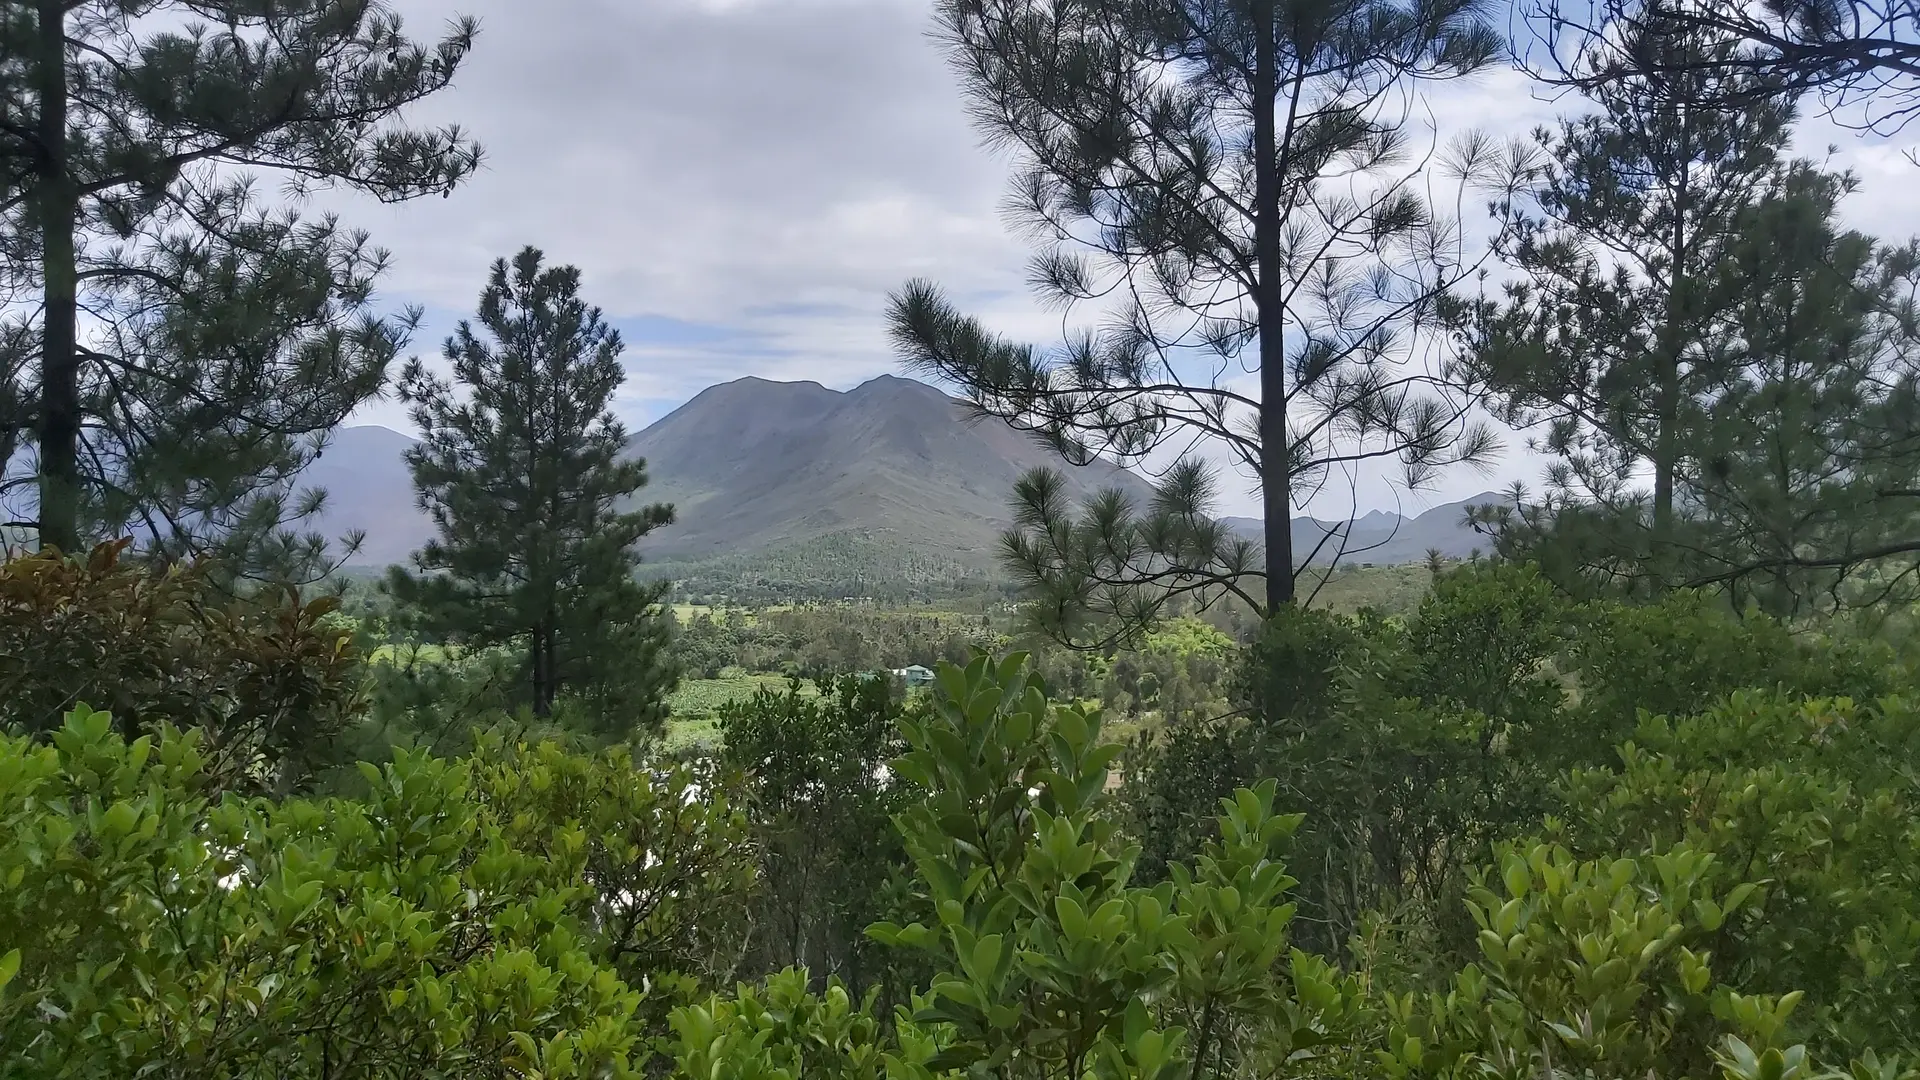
[[192, 345], [1689, 311], [522, 471]]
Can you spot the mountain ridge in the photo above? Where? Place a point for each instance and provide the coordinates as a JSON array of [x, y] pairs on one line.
[[758, 465]]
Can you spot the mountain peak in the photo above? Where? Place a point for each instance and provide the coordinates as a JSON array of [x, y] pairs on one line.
[[886, 386], [892, 457], [755, 465], [367, 436], [755, 380], [754, 385]]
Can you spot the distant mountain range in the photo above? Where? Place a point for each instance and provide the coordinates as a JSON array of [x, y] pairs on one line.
[[1383, 537], [758, 466]]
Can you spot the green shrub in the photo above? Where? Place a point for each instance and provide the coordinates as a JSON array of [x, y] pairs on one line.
[[831, 862], [1683, 654], [1050, 962], [1819, 804], [1411, 744], [1587, 968], [1676, 948], [784, 1032], [1733, 894], [524, 912], [1415, 743], [155, 929], [271, 679]]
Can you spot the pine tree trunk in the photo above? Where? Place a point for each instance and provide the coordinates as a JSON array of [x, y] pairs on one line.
[[1276, 483], [1666, 450], [57, 203], [543, 690], [1672, 348]]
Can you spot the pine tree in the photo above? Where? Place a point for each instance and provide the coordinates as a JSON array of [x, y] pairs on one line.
[[222, 337], [1235, 183], [523, 475], [1714, 366], [1860, 57], [1808, 492], [1621, 244]]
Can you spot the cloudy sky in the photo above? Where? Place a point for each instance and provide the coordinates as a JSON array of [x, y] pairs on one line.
[[742, 181]]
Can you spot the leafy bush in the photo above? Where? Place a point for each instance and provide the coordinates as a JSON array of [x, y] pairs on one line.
[[153, 928], [784, 1032], [1414, 744], [1818, 803], [1595, 968], [1051, 962], [822, 800], [1398, 738], [270, 678], [660, 853], [1174, 778], [525, 912], [1681, 655]]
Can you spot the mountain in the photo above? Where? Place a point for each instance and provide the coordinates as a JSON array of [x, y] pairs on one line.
[[892, 469], [369, 489], [1383, 537], [753, 465]]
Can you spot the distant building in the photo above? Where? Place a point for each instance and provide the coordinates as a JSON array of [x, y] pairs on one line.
[[915, 675]]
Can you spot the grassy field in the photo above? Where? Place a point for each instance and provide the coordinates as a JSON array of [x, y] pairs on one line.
[[691, 733], [1392, 589], [697, 696], [692, 721]]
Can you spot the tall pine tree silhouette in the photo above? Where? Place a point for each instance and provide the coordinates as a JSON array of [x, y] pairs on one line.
[[520, 467]]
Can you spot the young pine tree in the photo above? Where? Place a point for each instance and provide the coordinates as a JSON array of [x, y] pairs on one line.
[[524, 479]]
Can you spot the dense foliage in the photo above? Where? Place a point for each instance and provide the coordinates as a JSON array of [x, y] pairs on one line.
[[523, 475], [822, 800], [816, 640], [271, 680], [839, 567], [1734, 897], [522, 912], [192, 340], [1414, 743]]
